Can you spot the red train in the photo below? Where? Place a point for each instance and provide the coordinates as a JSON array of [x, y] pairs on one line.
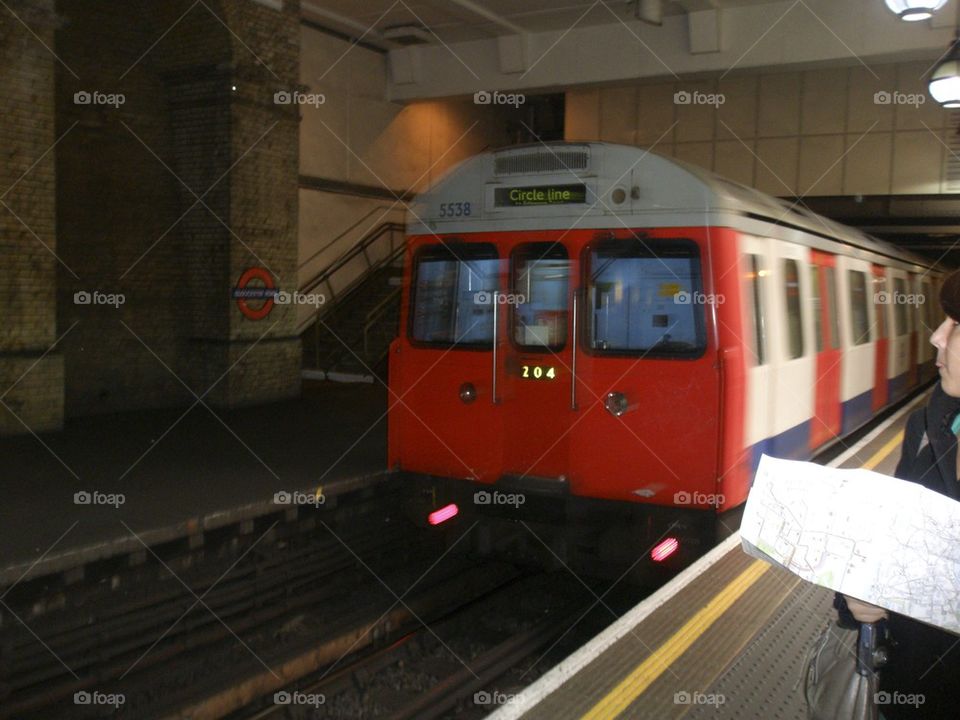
[[591, 331]]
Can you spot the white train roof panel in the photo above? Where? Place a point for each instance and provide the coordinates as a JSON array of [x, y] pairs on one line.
[[592, 184]]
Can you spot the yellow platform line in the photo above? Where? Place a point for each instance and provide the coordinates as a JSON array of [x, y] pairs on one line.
[[637, 682], [880, 455], [663, 657]]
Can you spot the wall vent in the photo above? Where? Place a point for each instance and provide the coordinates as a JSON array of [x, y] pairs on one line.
[[541, 161]]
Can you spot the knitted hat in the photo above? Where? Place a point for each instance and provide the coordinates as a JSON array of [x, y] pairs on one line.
[[950, 295]]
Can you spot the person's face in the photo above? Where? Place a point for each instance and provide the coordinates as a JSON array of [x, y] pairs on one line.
[[946, 339]]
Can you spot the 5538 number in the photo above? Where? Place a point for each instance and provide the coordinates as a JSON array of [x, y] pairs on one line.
[[455, 209]]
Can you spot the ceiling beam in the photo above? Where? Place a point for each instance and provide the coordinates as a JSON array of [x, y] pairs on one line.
[[365, 32], [697, 5], [489, 15]]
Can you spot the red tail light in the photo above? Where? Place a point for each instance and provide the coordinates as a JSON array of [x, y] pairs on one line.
[[443, 514], [664, 549]]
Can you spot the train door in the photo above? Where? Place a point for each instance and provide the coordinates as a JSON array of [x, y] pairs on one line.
[[793, 353], [647, 390], [914, 315], [443, 417], [859, 334], [898, 300], [928, 324], [756, 291], [881, 321], [534, 375], [826, 419]]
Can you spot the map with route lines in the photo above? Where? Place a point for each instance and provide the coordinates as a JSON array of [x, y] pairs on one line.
[[889, 542]]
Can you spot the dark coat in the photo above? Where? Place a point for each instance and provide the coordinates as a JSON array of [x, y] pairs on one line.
[[924, 659]]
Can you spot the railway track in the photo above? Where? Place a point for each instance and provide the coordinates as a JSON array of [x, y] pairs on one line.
[[456, 662], [127, 626]]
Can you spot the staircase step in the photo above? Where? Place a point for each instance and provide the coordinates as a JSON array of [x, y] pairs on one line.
[[335, 376]]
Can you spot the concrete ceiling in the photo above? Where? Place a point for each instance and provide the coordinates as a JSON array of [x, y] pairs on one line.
[[542, 45], [452, 23]]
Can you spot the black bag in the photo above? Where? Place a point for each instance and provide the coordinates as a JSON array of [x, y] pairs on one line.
[[841, 676]]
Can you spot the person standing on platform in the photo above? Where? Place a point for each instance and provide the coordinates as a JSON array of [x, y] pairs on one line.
[[921, 679]]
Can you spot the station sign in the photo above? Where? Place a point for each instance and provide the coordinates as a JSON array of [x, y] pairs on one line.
[[540, 195]]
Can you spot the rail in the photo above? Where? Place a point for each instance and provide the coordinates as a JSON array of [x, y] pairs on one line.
[[375, 314], [384, 210], [378, 248]]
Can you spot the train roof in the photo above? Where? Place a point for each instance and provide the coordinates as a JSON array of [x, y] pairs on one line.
[[595, 183]]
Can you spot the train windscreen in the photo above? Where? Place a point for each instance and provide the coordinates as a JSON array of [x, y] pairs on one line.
[[646, 298], [541, 281], [453, 293]]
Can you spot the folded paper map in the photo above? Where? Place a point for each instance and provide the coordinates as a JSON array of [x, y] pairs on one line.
[[889, 542]]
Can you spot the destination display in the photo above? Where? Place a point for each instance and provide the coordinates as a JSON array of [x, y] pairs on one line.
[[540, 195]]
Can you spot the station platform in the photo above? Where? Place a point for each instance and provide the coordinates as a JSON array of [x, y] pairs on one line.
[[726, 638], [179, 472]]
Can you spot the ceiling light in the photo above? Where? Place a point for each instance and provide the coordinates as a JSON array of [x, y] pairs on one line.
[[913, 10], [944, 83]]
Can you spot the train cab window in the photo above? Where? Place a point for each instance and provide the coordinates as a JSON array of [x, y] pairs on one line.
[[541, 286], [453, 290], [755, 276], [860, 319], [832, 308], [816, 305], [899, 306], [791, 286], [645, 298]]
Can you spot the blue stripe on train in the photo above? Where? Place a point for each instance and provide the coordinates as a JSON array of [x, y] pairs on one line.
[[856, 411], [897, 387], [794, 444]]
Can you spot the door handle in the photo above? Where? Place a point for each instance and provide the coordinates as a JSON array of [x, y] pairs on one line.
[[616, 403]]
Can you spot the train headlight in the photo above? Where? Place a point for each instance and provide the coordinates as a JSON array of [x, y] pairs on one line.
[[468, 393]]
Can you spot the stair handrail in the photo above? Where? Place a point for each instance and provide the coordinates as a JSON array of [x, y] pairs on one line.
[[375, 315], [386, 210], [360, 247], [394, 231]]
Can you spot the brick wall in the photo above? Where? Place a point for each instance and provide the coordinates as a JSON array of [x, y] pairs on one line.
[[31, 369], [264, 198], [128, 186], [116, 200]]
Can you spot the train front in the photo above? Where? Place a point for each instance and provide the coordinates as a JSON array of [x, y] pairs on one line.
[[557, 358]]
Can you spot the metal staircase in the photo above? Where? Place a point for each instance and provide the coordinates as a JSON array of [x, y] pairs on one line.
[[348, 337]]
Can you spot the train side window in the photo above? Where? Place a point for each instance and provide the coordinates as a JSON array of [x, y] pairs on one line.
[[899, 300], [541, 282], [914, 316], [880, 291], [791, 286], [755, 275], [928, 300], [860, 319], [644, 298], [452, 295], [816, 305], [832, 308]]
